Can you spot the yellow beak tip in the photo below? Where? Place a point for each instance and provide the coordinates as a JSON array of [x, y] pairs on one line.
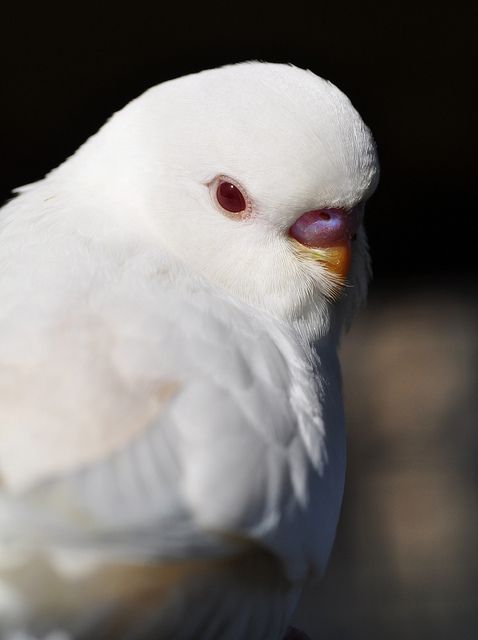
[[337, 259]]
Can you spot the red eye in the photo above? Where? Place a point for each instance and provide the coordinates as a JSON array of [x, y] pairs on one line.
[[230, 197]]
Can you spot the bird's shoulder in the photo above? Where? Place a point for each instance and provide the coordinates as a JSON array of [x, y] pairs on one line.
[[135, 408]]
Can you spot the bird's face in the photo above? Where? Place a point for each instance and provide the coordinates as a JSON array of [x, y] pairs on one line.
[[257, 176]]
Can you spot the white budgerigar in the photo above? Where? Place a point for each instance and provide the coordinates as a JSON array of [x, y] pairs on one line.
[[172, 446]]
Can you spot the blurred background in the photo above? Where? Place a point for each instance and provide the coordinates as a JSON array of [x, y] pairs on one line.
[[405, 563]]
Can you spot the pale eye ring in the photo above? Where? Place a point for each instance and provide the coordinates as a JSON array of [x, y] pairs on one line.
[[230, 198]]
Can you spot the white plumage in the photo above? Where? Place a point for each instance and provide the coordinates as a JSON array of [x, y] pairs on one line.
[[171, 432]]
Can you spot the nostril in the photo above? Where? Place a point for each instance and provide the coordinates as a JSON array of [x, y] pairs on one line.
[[325, 227]]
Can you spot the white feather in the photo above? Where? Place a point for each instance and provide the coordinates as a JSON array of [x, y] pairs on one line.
[[169, 384]]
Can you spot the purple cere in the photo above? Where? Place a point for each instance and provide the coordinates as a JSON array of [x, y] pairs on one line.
[[329, 227]]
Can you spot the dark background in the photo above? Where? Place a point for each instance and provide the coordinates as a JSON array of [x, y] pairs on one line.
[[405, 563]]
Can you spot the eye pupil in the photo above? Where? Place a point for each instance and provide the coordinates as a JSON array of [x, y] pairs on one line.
[[230, 198]]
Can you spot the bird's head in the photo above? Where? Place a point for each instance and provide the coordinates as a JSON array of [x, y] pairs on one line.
[[255, 176]]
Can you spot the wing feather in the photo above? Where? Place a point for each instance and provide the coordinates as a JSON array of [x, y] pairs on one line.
[[152, 422]]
